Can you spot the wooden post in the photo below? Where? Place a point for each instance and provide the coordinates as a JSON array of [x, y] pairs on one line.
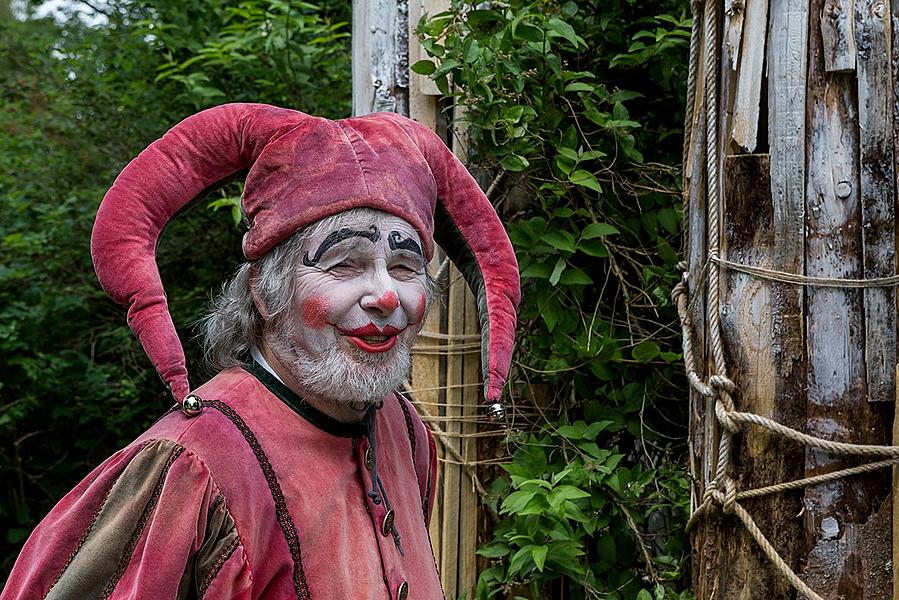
[[380, 57], [445, 378], [817, 198]]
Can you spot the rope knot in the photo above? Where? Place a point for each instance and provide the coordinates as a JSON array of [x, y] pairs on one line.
[[730, 496], [708, 497], [722, 383], [725, 418]]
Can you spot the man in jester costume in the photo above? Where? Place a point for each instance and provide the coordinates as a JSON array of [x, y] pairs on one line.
[[297, 471]]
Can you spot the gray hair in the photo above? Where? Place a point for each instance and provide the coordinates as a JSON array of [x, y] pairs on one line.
[[233, 324]]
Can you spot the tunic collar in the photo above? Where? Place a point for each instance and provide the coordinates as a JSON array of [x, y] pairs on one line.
[[303, 408]]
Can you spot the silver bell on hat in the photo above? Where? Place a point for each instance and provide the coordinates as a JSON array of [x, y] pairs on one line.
[[496, 412], [192, 405]]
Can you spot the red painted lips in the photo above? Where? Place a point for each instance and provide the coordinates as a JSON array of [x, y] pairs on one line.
[[372, 339]]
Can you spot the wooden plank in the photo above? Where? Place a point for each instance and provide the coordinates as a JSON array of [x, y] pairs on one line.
[[787, 60], [875, 120], [837, 25], [895, 486], [749, 78], [468, 505], [749, 313], [734, 14], [428, 377], [380, 58], [838, 516], [452, 482], [471, 400]]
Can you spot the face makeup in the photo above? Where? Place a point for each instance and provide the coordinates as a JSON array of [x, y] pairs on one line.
[[360, 299]]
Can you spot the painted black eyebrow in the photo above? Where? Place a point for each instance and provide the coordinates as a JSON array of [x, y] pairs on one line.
[[397, 240], [335, 237]]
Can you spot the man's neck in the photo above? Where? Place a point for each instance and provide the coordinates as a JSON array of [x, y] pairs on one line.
[[337, 411]]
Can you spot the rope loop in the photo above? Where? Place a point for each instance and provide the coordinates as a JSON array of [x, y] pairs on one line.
[[721, 383], [678, 291], [730, 496], [724, 417]]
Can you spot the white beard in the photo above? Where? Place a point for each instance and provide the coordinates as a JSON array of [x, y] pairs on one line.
[[347, 376]]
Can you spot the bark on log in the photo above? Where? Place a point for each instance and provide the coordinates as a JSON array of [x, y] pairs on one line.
[[822, 360]]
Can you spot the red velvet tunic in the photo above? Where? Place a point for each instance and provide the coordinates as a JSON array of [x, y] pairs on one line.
[[259, 496]]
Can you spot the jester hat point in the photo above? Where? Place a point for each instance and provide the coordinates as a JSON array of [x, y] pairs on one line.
[[300, 169]]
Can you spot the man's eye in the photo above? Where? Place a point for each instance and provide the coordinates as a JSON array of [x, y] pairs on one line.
[[404, 269], [342, 266]]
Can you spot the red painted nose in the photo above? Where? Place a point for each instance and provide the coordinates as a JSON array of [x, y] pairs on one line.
[[388, 301]]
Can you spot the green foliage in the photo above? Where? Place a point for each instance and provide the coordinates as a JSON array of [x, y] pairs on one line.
[[76, 385], [573, 109], [284, 53]]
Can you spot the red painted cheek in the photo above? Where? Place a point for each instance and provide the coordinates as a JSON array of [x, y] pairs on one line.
[[422, 306], [315, 312], [389, 301]]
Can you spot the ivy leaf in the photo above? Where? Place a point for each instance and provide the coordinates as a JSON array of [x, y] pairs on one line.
[[560, 240], [595, 230], [424, 67], [575, 276], [494, 550], [569, 153], [559, 28], [471, 51], [518, 560], [516, 501], [579, 86], [557, 271], [537, 271], [514, 163], [593, 248], [445, 67], [551, 312], [538, 553], [645, 351], [585, 179], [528, 33]]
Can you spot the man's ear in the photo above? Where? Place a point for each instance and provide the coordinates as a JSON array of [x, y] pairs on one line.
[[258, 301]]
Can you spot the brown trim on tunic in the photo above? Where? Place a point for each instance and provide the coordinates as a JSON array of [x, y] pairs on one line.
[[217, 566], [90, 525], [141, 523], [109, 543], [284, 519]]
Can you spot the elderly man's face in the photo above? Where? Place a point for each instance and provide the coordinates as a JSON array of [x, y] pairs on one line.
[[361, 296]]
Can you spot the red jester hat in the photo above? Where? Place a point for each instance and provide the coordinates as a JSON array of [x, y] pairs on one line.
[[300, 169]]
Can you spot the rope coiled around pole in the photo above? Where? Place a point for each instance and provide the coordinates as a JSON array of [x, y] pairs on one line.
[[722, 491]]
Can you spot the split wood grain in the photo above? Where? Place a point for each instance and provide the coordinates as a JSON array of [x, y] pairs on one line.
[[734, 15], [878, 193], [838, 37], [749, 77], [837, 514], [768, 383]]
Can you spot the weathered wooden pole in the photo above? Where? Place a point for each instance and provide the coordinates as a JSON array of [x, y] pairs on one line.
[[445, 378], [805, 109]]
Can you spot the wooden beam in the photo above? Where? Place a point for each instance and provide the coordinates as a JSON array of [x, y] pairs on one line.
[[878, 194], [838, 37], [734, 16], [749, 77], [453, 477], [380, 57], [845, 521], [751, 307]]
